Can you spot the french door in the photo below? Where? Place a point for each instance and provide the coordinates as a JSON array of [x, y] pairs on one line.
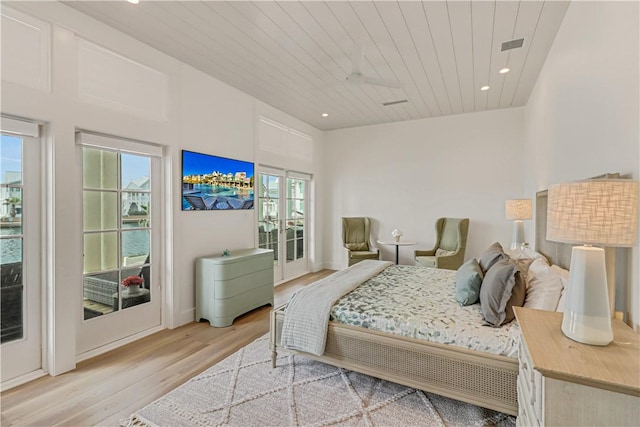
[[282, 222], [121, 243], [20, 250]]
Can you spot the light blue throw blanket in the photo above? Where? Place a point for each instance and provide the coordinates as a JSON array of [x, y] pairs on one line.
[[307, 313]]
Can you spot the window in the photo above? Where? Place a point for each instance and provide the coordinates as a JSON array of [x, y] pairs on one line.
[[117, 226], [11, 236], [295, 218]]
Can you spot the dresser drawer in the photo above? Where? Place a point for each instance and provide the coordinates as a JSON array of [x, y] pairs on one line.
[[530, 381], [526, 416], [526, 373]]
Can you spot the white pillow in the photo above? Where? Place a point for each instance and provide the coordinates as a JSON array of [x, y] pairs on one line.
[[524, 259], [545, 286], [527, 252], [560, 306], [564, 278], [564, 274], [539, 267]]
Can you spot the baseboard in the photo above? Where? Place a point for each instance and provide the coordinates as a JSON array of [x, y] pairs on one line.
[[100, 350], [291, 278], [23, 379], [186, 316], [333, 266]]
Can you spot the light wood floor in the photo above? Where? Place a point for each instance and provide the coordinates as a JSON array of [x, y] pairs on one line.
[[107, 388]]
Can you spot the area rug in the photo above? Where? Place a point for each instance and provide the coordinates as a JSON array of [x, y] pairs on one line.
[[243, 390]]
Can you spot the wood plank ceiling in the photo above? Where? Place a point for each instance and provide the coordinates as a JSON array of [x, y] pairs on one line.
[[296, 55]]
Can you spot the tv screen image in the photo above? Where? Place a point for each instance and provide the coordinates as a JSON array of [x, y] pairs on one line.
[[215, 183]]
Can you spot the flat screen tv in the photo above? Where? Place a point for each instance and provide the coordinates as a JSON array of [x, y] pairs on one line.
[[215, 183]]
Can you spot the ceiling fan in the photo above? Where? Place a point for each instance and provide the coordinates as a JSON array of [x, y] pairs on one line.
[[357, 77]]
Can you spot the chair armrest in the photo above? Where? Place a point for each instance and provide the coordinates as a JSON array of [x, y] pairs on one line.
[[450, 262], [424, 252]]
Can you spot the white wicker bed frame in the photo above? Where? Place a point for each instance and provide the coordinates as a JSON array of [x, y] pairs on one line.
[[471, 376]]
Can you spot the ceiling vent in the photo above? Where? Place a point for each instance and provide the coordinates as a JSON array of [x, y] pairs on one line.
[[386, 104], [512, 44]]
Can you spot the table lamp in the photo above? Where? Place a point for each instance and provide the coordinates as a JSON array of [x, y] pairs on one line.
[[518, 210], [593, 212]]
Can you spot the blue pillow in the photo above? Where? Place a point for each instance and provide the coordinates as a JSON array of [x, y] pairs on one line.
[[468, 280]]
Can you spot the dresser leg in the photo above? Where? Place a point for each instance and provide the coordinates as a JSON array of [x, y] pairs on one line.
[[274, 355]]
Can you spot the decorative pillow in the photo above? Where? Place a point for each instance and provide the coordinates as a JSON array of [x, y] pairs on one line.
[[357, 246], [442, 252], [561, 302], [564, 278], [468, 280], [490, 256], [564, 274], [544, 287], [523, 265], [501, 290], [527, 252]]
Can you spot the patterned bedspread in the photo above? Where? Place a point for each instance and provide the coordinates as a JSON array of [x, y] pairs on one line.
[[420, 302]]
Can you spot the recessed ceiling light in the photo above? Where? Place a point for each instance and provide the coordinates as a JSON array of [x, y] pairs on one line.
[[504, 70], [325, 115], [133, 1], [484, 88]]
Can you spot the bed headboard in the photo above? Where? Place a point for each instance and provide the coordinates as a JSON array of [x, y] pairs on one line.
[[556, 253]]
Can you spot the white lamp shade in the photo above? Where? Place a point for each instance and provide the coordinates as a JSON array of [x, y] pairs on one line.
[[594, 212], [518, 209]]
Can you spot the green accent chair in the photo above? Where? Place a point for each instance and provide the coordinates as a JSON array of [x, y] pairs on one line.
[[451, 243], [355, 237]]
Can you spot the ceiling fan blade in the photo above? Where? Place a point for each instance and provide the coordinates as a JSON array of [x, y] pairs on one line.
[[357, 77], [380, 82], [357, 59]]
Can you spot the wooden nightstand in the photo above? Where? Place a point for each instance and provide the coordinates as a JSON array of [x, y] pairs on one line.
[[563, 382]]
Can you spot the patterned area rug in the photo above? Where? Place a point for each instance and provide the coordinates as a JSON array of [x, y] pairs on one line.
[[243, 390]]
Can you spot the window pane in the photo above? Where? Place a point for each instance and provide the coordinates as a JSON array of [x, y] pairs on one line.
[[299, 248], [100, 251], [274, 245], [295, 188], [10, 160], [11, 211], [295, 212], [100, 210], [272, 186], [135, 247], [135, 295], [99, 169], [135, 172], [10, 251], [100, 294], [135, 209], [11, 291]]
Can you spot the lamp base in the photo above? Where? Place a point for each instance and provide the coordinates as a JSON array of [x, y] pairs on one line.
[[587, 318], [517, 237], [590, 330]]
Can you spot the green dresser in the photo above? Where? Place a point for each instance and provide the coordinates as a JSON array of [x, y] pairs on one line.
[[228, 286]]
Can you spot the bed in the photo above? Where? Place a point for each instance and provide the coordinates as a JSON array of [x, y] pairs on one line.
[[477, 377]]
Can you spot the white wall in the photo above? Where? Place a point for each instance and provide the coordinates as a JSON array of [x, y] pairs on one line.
[[406, 175], [202, 114], [582, 118]]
